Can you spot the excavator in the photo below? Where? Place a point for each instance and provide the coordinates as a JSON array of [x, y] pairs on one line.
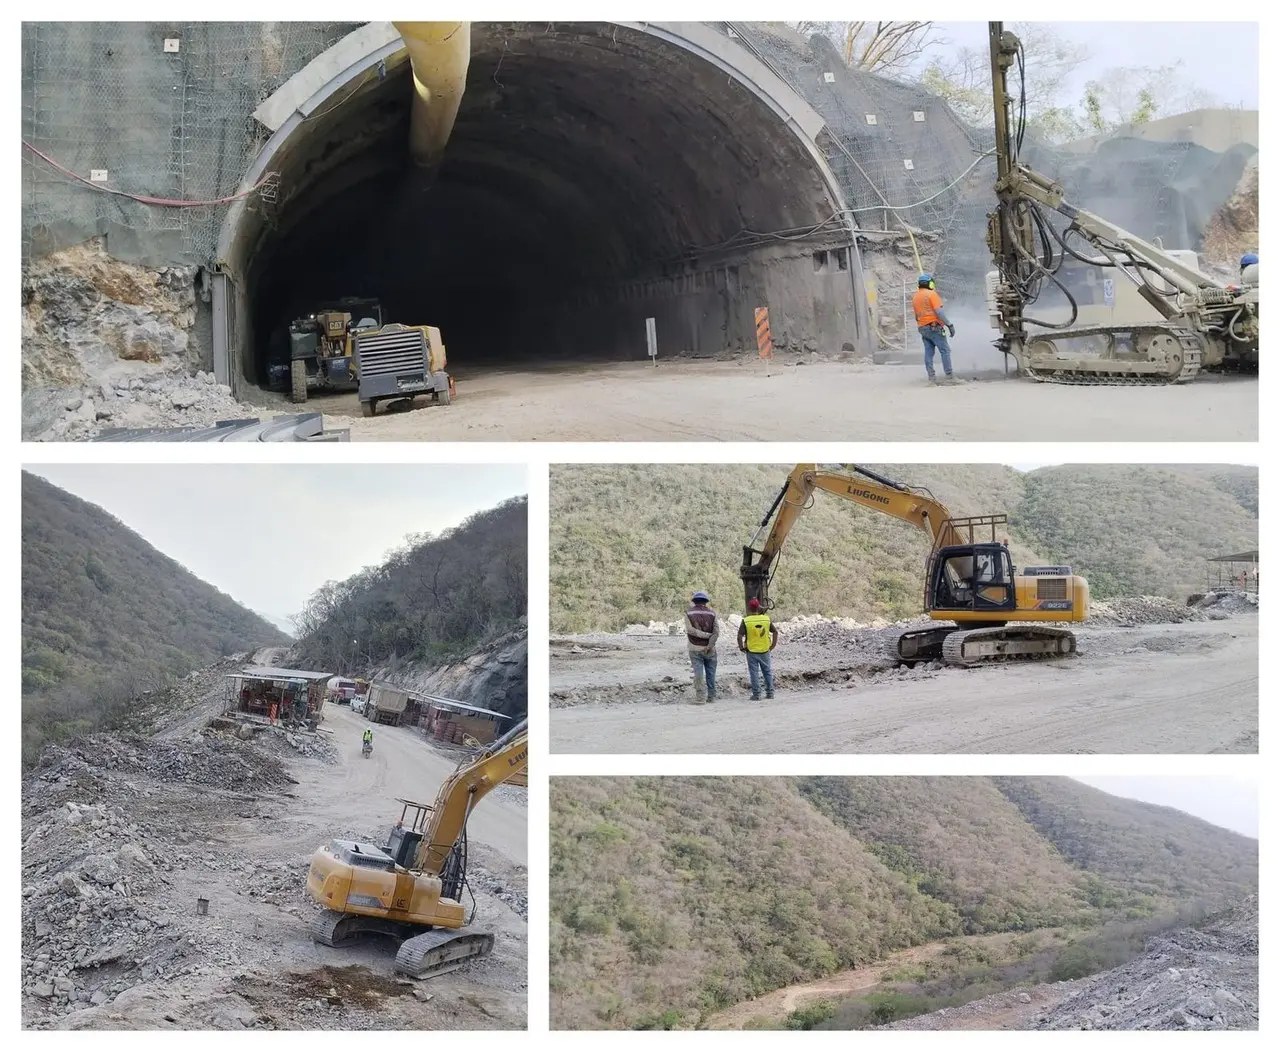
[[996, 613], [1198, 321], [411, 888]]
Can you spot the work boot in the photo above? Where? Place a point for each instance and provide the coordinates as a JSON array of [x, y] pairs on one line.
[[755, 697], [932, 379], [768, 697], [950, 378]]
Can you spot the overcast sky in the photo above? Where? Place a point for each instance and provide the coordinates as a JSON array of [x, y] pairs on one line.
[[1228, 802], [269, 535], [1211, 52]]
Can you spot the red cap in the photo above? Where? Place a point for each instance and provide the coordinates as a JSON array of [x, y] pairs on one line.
[[754, 604]]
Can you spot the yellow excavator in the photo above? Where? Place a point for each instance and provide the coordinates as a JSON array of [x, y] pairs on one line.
[[997, 612], [411, 888]]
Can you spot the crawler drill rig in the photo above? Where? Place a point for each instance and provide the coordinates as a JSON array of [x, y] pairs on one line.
[[1204, 323]]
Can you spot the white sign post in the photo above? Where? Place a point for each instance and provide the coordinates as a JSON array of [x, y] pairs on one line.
[[651, 337]]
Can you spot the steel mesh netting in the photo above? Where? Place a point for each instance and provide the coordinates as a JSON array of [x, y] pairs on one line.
[[895, 143], [174, 125]]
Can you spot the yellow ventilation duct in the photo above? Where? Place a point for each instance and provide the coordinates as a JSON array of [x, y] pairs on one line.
[[440, 53]]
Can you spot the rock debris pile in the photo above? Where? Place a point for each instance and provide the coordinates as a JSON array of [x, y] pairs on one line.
[[1202, 978], [206, 759]]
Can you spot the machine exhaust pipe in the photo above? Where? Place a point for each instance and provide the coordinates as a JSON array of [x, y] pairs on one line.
[[440, 53]]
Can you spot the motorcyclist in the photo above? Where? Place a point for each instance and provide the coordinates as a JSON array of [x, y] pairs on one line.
[[367, 741]]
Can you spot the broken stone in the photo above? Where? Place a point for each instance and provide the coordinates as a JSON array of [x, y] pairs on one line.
[[43, 989], [1024, 997]]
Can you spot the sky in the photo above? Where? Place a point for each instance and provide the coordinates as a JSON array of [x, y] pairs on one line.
[[269, 535], [1231, 803], [1210, 51]]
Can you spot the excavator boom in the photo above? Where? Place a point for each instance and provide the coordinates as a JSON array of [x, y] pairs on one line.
[[471, 783], [857, 484]]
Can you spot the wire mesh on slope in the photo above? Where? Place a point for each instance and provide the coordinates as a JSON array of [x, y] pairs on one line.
[[164, 122]]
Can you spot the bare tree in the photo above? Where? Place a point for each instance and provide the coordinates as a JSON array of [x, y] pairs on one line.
[[1135, 95], [963, 78], [875, 47]]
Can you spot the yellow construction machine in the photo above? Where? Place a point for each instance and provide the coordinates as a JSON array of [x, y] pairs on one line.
[[412, 887], [1192, 321], [996, 612]]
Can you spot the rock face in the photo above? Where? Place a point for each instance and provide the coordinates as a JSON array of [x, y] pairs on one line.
[[496, 677], [111, 344]]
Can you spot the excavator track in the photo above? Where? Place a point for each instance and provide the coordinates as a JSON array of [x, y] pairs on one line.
[[441, 950], [331, 928], [968, 648], [920, 645], [1179, 355]]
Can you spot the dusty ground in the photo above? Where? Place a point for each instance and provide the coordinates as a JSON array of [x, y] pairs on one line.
[[1189, 687], [220, 820], [703, 400], [690, 400]]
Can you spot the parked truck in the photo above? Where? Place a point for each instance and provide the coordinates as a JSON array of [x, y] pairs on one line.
[[386, 704]]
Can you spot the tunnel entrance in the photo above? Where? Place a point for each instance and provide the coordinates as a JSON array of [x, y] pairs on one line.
[[597, 174]]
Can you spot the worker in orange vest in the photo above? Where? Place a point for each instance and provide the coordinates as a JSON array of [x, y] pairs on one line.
[[933, 324]]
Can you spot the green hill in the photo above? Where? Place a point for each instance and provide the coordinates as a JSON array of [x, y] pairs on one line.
[[630, 542], [672, 898], [435, 599], [105, 615]]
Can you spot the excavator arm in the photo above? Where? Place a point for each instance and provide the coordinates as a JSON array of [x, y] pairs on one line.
[[466, 787], [856, 484]]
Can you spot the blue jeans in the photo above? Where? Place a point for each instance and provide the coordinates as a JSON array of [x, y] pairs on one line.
[[760, 665], [935, 336], [704, 675]]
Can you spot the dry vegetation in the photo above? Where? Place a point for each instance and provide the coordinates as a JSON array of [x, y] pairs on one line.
[[629, 542], [434, 599], [673, 898], [106, 616]]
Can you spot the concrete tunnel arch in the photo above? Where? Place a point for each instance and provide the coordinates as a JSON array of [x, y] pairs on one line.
[[594, 175]]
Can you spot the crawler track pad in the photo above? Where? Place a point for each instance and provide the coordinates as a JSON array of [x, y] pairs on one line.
[[442, 950]]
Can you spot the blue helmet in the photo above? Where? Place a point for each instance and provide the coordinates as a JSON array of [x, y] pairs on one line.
[[701, 597], [924, 280], [1249, 259]]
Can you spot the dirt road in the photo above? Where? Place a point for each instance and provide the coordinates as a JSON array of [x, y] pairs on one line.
[[701, 400], [1165, 688], [250, 962], [776, 1005]]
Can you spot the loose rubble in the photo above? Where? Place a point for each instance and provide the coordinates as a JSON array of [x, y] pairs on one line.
[[1202, 978], [164, 884], [109, 344]]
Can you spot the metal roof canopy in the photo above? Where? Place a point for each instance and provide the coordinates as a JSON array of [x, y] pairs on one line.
[[449, 703], [1242, 557], [279, 673]]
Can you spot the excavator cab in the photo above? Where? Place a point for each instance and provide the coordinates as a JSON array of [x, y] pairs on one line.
[[976, 577]]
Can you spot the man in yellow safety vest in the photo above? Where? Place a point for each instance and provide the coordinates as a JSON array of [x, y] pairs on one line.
[[757, 637]]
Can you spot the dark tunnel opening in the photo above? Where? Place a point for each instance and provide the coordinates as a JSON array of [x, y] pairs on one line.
[[593, 175]]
